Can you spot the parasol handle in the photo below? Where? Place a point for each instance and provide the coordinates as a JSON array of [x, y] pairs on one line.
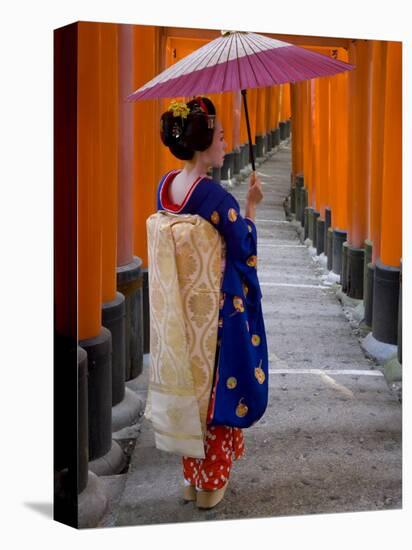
[[251, 158]]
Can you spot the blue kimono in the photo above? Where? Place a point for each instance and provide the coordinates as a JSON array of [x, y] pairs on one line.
[[241, 374]]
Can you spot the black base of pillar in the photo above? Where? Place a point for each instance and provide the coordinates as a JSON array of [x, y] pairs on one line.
[[300, 180], [328, 223], [356, 258], [282, 130], [254, 153], [386, 303], [273, 138], [288, 125], [313, 215], [304, 203], [268, 141], [130, 284], [99, 392], [216, 173], [259, 146], [367, 245], [344, 267], [298, 206], [320, 236], [368, 293], [277, 136], [400, 319], [236, 161], [114, 319], [293, 200], [298, 197], [307, 216], [82, 414], [227, 170], [241, 157], [329, 247], [339, 237]]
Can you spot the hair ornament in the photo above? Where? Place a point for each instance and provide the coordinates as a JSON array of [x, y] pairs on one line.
[[179, 108]]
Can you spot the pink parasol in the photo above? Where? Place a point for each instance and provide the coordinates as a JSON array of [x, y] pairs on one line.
[[235, 61]]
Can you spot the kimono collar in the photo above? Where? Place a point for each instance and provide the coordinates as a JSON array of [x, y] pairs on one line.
[[165, 201]]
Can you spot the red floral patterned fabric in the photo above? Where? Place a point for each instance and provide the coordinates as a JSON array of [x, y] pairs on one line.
[[222, 444]]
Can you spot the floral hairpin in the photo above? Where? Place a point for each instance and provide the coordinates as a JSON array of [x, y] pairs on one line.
[[179, 108]]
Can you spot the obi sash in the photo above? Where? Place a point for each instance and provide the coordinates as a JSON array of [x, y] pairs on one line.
[[184, 270]]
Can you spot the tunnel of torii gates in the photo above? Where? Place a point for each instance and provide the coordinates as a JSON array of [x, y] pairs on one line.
[[345, 180]]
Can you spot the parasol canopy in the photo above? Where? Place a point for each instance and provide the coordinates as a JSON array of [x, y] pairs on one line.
[[238, 60]]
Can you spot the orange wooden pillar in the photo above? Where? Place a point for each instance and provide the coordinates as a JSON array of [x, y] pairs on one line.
[[268, 125], [260, 122], [359, 169], [315, 143], [252, 100], [307, 139], [296, 124], [244, 149], [298, 193], [70, 429], [377, 107], [275, 101], [113, 302], [377, 133], [391, 224], [217, 101], [138, 179], [314, 130], [236, 133], [324, 138], [226, 117], [306, 207], [387, 271], [338, 165], [93, 338], [89, 195], [323, 221], [284, 121], [109, 115]]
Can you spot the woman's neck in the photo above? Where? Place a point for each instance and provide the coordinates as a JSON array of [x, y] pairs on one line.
[[192, 170]]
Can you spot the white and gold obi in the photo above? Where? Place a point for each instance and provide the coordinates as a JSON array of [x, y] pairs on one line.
[[185, 260]]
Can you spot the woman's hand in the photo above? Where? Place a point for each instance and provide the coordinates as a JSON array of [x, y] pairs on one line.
[[254, 194]]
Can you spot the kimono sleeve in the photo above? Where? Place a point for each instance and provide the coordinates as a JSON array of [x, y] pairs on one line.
[[240, 233]]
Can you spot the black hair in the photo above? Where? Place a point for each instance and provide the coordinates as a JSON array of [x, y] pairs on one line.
[[184, 136]]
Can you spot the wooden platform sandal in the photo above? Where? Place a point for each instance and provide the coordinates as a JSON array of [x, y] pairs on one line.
[[209, 499]]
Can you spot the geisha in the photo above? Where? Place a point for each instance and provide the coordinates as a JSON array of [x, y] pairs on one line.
[[238, 393]]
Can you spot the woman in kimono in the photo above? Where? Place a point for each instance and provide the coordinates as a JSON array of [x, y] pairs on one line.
[[194, 134]]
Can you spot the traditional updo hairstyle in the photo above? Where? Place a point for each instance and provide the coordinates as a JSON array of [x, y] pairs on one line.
[[185, 135]]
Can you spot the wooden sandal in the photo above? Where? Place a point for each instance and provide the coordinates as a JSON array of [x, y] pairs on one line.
[[189, 493], [209, 499]]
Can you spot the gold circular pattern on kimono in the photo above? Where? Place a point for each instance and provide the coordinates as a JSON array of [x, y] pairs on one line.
[[250, 228], [245, 289], [241, 409], [215, 217], [260, 375], [255, 339], [220, 323], [252, 261], [231, 383], [232, 214], [238, 303]]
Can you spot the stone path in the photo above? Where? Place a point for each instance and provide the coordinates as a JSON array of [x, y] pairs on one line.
[[330, 440]]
